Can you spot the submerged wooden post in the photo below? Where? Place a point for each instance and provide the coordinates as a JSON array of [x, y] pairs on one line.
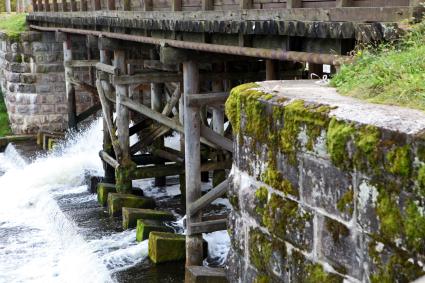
[[192, 126], [271, 70], [70, 89], [123, 180], [105, 58]]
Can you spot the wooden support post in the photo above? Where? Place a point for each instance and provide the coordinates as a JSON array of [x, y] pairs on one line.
[[157, 98], [55, 5], [294, 4], [83, 5], [70, 89], [97, 5], [40, 6], [207, 5], [65, 6], [46, 5], [192, 124], [245, 4], [107, 142], [271, 70], [343, 3], [123, 181], [176, 5], [127, 5], [147, 5], [111, 5], [73, 4]]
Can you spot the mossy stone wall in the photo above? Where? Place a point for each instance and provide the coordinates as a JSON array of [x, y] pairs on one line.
[[320, 195]]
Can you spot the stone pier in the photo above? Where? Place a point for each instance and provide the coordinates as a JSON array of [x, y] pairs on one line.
[[325, 187]]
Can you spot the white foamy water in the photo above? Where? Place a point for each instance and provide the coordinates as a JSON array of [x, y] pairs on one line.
[[39, 243]]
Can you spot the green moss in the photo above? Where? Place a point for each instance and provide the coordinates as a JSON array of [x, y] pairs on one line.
[[336, 229], [399, 161], [4, 118], [346, 202], [165, 247], [297, 114], [396, 269], [123, 177], [13, 25], [316, 273], [262, 279], [260, 249], [367, 145], [389, 216], [414, 226], [421, 180], [338, 135], [274, 179]]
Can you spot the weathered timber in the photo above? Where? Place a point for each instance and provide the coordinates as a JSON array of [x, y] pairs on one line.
[[198, 100], [192, 124], [4, 141], [158, 65], [146, 159], [107, 68], [151, 77], [271, 70], [209, 137], [89, 112], [209, 197], [167, 155], [294, 4], [80, 63], [204, 274], [147, 5], [108, 159], [70, 89], [140, 126], [197, 228]]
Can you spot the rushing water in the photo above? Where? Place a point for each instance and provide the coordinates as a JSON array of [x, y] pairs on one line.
[[51, 229]]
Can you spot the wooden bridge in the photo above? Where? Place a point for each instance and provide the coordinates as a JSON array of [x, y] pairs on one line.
[[186, 55]]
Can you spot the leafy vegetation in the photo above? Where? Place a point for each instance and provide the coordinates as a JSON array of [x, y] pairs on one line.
[[392, 73], [13, 24], [4, 120]]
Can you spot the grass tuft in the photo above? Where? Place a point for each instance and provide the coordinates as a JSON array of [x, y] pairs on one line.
[[13, 25], [392, 73]]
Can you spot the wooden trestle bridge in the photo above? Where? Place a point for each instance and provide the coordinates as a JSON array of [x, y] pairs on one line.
[[190, 53]]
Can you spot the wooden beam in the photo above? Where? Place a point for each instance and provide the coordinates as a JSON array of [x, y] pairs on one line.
[[81, 63], [198, 100], [140, 126], [197, 228], [146, 159], [92, 110], [208, 198], [107, 69], [73, 80], [149, 77], [108, 159], [157, 65], [167, 155]]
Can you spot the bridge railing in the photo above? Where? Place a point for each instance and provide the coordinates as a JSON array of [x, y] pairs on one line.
[[202, 5]]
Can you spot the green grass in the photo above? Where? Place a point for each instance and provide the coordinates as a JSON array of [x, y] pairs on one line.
[[392, 73], [13, 24], [4, 119]]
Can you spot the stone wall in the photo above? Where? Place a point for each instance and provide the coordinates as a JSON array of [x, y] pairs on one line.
[[325, 188], [32, 81]]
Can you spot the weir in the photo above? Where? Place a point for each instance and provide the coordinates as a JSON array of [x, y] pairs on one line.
[[301, 195]]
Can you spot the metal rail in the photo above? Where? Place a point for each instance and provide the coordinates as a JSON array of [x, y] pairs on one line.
[[315, 58]]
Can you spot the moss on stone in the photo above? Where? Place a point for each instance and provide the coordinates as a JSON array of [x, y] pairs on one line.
[[146, 226], [391, 224], [421, 181], [345, 203], [414, 227], [260, 249], [262, 279], [336, 229], [165, 247], [399, 161], [123, 176], [274, 178], [261, 197], [367, 148], [316, 273], [338, 135]]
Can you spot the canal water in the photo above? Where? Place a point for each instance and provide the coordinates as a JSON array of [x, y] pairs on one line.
[[53, 230]]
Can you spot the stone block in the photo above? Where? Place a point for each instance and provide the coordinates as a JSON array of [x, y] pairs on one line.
[[49, 68], [39, 46], [203, 274], [131, 215], [28, 78], [103, 189], [165, 247], [327, 187], [116, 201], [31, 36], [146, 226]]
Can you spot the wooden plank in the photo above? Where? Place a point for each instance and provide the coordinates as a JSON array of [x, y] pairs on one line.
[[107, 69], [81, 63], [197, 228], [198, 100], [158, 65], [208, 198], [92, 110], [108, 159], [167, 155], [73, 80], [140, 126]]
